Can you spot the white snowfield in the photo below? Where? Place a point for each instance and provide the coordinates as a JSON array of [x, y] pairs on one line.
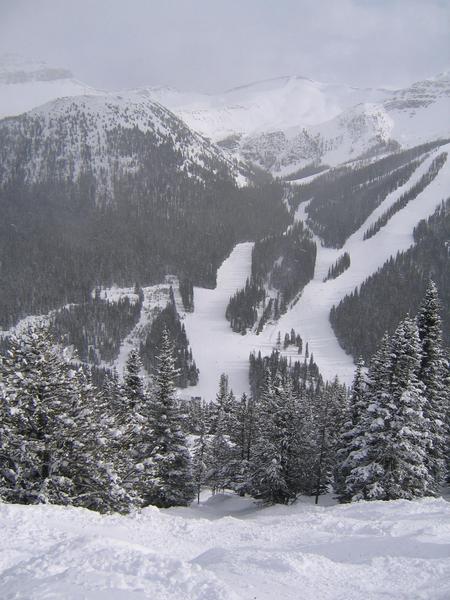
[[286, 123], [228, 549], [217, 349], [25, 84]]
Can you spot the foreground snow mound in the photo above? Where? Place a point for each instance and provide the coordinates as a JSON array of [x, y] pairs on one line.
[[227, 548]]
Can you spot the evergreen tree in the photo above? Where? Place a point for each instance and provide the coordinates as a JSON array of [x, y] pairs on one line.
[[223, 405], [50, 448], [133, 439], [433, 374], [330, 418], [351, 432], [171, 463], [221, 456], [391, 462], [133, 386], [275, 473], [199, 458]]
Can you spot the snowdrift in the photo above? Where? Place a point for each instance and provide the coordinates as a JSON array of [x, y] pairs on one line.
[[227, 548]]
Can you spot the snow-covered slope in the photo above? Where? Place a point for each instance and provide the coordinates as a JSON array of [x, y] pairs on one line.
[[280, 124], [287, 123], [271, 105], [25, 84], [309, 316], [99, 136], [226, 548]]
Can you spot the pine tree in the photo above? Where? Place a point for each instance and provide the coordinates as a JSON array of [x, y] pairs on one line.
[[171, 463], [433, 374], [133, 387], [133, 439], [50, 450], [273, 464], [223, 405], [330, 419], [391, 464], [221, 459], [362, 471], [199, 458], [351, 432], [241, 435]]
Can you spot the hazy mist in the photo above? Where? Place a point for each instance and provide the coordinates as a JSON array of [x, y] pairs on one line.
[[211, 45]]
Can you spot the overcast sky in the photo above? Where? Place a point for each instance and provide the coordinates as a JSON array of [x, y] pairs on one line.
[[212, 45]]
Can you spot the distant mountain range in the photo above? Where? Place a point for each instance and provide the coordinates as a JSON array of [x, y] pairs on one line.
[[280, 125]]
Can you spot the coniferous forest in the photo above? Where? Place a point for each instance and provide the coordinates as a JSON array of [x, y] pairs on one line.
[[341, 199], [62, 236], [125, 445], [282, 264], [361, 319]]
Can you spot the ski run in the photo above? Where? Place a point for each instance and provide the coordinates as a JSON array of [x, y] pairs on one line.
[[310, 315]]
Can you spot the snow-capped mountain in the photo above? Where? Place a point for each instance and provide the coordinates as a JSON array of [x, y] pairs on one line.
[[287, 123], [273, 105], [25, 84], [281, 124], [101, 135]]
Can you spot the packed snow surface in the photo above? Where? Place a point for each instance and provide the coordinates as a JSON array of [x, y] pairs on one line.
[[216, 348], [227, 548]]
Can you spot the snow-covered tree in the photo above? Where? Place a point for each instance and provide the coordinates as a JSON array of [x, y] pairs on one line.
[[275, 472], [351, 432], [331, 414], [221, 456], [199, 458], [171, 463], [223, 405], [133, 386], [50, 450], [432, 374], [390, 462]]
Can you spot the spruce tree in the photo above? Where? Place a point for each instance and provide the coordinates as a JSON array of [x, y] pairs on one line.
[[133, 440], [330, 419], [351, 431], [272, 466], [50, 450], [433, 376], [221, 459], [362, 471], [391, 463], [171, 463], [199, 458]]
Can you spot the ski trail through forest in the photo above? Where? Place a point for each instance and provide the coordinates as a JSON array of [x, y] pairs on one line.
[[309, 315]]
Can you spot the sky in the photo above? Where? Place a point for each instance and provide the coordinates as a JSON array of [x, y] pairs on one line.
[[213, 45]]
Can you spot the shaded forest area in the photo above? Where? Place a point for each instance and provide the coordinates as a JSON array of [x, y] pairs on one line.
[[284, 263], [58, 242], [343, 198], [360, 319]]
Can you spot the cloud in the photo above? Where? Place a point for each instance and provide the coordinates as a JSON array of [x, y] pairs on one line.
[[215, 44]]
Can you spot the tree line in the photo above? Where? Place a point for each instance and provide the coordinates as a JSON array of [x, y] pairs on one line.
[[361, 318], [342, 198], [411, 194], [283, 263]]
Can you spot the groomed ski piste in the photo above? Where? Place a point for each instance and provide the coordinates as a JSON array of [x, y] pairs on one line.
[[228, 548], [217, 349]]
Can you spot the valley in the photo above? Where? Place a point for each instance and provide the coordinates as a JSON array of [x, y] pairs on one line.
[[224, 300]]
